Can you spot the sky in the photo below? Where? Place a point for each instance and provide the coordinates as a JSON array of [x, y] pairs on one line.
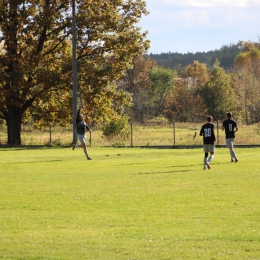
[[200, 25]]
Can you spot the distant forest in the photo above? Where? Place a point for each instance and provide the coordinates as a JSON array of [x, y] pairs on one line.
[[225, 55]]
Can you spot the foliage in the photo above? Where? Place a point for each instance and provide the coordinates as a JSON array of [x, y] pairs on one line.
[[118, 127], [246, 80], [136, 81], [248, 58], [35, 64], [184, 103], [218, 94], [196, 74], [178, 61], [161, 83]]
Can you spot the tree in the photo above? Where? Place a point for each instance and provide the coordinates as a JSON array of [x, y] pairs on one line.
[[35, 63], [161, 83], [246, 81], [136, 81], [217, 93], [226, 55], [195, 74], [184, 102]]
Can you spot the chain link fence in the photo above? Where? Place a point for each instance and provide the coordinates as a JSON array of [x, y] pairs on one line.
[[148, 135]]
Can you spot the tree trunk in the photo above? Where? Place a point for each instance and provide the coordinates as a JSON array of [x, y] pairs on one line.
[[14, 122]]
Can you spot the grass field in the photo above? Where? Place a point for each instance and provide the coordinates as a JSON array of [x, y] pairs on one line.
[[128, 203]]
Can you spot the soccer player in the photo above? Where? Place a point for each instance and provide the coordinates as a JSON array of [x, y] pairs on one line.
[[82, 127], [207, 131], [230, 127]]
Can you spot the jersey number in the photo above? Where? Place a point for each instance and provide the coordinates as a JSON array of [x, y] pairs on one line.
[[230, 127], [207, 132]]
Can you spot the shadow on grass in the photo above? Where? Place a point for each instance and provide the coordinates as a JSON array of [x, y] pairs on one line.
[[43, 161], [164, 172]]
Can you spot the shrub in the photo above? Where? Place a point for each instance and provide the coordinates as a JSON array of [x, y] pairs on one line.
[[118, 127]]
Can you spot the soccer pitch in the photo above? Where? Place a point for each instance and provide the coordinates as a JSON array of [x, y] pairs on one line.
[[129, 203]]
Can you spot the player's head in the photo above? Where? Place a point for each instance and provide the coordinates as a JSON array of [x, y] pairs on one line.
[[209, 118], [81, 117], [229, 115]]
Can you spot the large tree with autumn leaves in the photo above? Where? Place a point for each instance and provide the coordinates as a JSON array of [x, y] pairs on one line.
[[36, 57], [246, 79]]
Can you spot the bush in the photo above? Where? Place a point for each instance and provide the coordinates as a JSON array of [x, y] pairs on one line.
[[118, 127]]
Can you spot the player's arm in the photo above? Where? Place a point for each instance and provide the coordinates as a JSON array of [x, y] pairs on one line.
[[201, 131], [88, 128], [214, 136], [235, 129], [77, 119]]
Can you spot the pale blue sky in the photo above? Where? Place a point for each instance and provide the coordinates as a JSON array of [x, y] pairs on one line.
[[200, 25]]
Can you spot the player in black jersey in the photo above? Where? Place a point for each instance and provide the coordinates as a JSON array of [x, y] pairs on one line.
[[207, 131], [230, 126]]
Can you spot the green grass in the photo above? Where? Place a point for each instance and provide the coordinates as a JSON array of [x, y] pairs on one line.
[[128, 203]]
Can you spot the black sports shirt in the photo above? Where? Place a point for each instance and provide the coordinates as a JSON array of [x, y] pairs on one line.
[[207, 131], [229, 125]]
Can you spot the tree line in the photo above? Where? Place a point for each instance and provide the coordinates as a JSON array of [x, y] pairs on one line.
[[226, 56], [197, 90]]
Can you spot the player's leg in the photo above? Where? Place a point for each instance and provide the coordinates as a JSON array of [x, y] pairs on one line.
[[230, 144], [211, 157], [205, 157], [86, 152], [74, 146], [233, 154], [212, 152], [77, 145], [206, 164], [233, 151], [81, 141], [84, 146]]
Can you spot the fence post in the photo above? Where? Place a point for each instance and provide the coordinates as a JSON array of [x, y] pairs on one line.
[[217, 133], [131, 134], [173, 133], [50, 134]]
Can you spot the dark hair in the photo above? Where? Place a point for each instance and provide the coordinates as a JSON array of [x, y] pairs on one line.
[[229, 115], [209, 118]]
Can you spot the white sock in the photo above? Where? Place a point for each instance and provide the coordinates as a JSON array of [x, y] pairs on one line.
[[210, 158]]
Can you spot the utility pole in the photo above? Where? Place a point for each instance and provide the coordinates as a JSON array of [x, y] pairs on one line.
[[74, 69]]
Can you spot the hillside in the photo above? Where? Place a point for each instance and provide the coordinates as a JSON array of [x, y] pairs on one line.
[[226, 56]]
